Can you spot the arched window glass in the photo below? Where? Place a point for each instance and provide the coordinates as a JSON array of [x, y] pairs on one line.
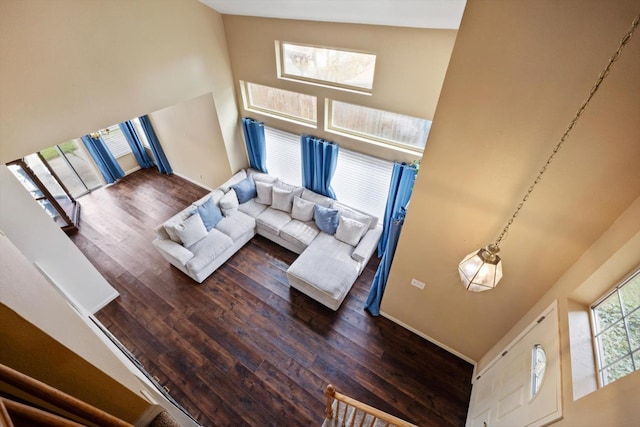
[[538, 367]]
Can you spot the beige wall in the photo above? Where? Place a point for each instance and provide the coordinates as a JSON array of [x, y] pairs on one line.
[[614, 255], [518, 73], [410, 67], [69, 67], [192, 141]]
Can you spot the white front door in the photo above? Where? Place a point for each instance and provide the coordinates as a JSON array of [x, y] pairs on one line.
[[522, 388]]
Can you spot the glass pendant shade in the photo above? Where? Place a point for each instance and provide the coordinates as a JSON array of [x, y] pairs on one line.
[[481, 270]]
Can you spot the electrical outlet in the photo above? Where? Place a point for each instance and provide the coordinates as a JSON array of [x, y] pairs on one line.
[[418, 284]]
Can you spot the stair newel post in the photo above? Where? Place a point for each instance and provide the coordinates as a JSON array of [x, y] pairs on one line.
[[330, 392]]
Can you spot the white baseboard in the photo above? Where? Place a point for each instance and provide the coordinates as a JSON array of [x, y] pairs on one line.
[[193, 181], [428, 338]]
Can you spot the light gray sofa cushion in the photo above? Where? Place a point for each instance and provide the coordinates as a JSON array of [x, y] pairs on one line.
[[272, 220], [299, 233], [208, 249], [325, 270], [239, 176], [237, 225], [252, 208], [359, 216], [316, 198], [261, 176]]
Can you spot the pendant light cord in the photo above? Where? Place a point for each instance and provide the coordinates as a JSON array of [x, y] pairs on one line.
[[625, 40]]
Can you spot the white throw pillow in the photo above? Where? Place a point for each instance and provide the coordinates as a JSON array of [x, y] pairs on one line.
[[350, 231], [191, 230], [263, 189], [302, 210], [229, 203], [281, 199]]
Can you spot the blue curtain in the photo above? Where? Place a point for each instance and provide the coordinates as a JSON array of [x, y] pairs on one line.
[[107, 164], [382, 274], [137, 148], [156, 148], [400, 188], [319, 160], [256, 148]]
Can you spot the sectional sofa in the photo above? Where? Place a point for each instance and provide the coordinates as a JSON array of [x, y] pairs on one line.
[[334, 241]]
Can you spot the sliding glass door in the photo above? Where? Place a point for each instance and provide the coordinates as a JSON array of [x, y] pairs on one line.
[[71, 164]]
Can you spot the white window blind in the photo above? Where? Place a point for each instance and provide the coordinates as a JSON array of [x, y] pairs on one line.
[[116, 142], [360, 181], [283, 155]]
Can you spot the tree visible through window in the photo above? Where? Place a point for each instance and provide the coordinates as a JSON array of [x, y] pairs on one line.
[[334, 67], [616, 319]]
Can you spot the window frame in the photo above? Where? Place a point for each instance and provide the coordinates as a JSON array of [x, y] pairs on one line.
[[280, 68], [596, 333], [248, 106], [371, 139]]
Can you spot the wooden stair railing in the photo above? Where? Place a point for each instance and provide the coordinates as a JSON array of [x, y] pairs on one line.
[[349, 412], [54, 397]]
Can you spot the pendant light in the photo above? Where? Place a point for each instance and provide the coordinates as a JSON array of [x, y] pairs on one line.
[[481, 270]]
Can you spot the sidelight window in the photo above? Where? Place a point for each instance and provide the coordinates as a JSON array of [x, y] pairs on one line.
[[616, 322]]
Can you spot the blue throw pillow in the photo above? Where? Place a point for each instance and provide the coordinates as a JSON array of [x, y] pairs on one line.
[[245, 189], [209, 213], [326, 219]]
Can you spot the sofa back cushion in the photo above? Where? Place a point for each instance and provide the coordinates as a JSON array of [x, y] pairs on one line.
[[261, 176], [316, 198], [239, 176], [348, 212]]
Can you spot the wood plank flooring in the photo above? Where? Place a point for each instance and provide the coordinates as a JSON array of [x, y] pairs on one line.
[[243, 348]]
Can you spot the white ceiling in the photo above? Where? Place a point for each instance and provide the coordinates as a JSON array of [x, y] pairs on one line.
[[442, 14]]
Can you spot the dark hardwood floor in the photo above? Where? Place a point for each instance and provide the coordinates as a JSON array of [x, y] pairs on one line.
[[243, 348]]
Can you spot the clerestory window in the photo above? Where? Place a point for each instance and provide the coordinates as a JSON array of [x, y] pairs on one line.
[[336, 68]]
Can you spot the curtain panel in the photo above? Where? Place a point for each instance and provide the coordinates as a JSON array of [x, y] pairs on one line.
[[137, 148], [156, 148], [319, 160], [107, 164], [255, 141], [400, 188]]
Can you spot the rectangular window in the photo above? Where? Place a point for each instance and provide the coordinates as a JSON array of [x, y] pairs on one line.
[[279, 103], [283, 155], [360, 181], [378, 126], [115, 140], [616, 320], [338, 68]]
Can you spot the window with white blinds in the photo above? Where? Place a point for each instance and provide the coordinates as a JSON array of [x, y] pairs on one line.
[[115, 140], [283, 155], [360, 181]]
